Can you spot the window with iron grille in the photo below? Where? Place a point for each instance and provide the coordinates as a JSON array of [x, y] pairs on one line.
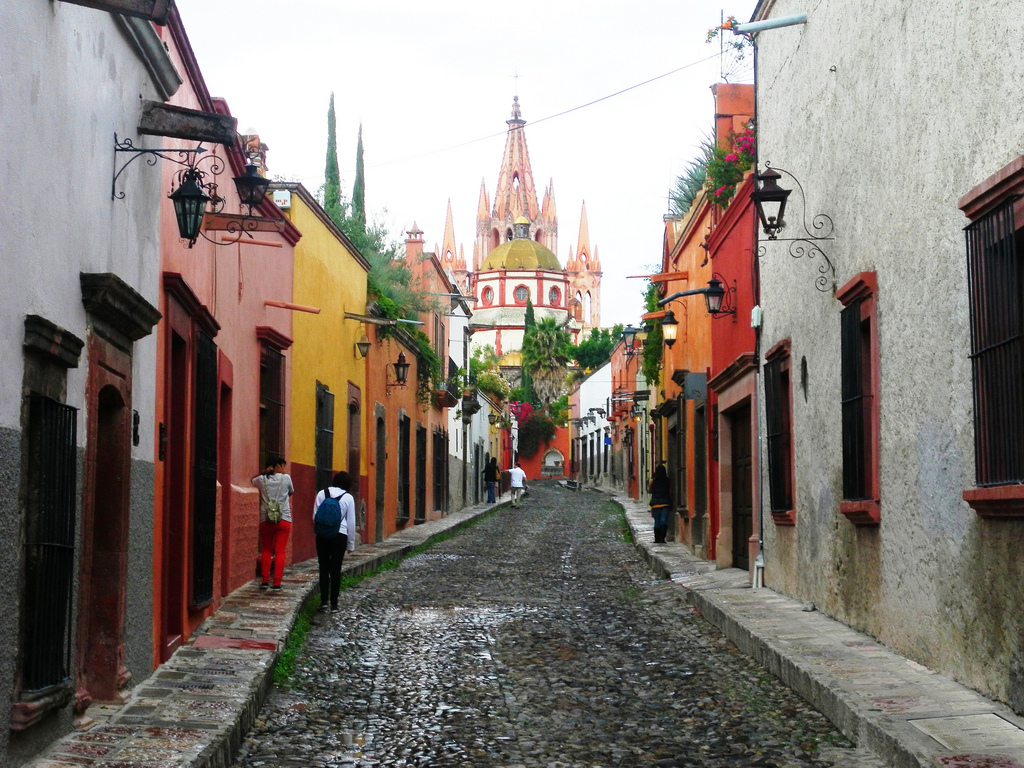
[[778, 416], [421, 474], [700, 461], [271, 404], [859, 399], [404, 437], [680, 452], [204, 477], [996, 290], [324, 438], [50, 543]]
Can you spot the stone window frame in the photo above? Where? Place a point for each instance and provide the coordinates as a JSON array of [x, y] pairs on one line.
[[49, 352], [781, 355], [863, 287], [1002, 190], [554, 296], [487, 296], [515, 295]]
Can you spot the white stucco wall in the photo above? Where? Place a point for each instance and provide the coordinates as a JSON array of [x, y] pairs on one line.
[[71, 80], [888, 115]]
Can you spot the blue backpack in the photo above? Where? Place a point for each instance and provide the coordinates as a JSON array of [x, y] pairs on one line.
[[327, 520]]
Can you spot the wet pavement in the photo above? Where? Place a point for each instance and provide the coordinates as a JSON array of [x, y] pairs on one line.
[[538, 637]]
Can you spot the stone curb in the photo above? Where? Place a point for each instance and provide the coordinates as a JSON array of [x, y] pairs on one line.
[[879, 700], [195, 709]]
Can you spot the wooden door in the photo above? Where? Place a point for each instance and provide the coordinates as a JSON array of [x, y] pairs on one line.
[[742, 496]]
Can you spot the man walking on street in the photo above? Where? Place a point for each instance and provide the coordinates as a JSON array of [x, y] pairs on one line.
[[517, 478]]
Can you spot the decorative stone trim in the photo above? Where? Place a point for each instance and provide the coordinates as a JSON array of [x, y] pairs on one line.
[[33, 707], [175, 285], [862, 512], [733, 372], [110, 299], [784, 518], [1006, 182], [273, 337], [1000, 501], [63, 347]]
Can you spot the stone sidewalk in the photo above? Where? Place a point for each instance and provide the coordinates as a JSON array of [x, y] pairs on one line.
[[195, 709], [905, 714]]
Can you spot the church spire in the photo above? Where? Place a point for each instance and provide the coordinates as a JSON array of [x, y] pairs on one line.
[[583, 250], [516, 195], [483, 208], [448, 247]]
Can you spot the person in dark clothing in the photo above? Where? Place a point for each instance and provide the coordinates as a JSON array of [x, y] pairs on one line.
[[492, 476], [661, 502], [330, 551]]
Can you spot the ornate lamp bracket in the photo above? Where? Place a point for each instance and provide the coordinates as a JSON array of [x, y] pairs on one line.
[[819, 230], [200, 166]]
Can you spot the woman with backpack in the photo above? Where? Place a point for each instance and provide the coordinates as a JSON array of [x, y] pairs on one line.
[[275, 489], [334, 523]]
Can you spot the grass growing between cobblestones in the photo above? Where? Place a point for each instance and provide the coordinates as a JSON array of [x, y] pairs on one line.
[[620, 520], [297, 637]]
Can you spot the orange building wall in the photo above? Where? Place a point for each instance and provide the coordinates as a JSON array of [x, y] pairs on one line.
[[532, 464]]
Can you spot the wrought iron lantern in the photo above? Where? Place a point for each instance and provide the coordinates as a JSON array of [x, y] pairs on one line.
[[492, 418], [189, 206], [401, 368], [629, 339], [251, 187], [770, 201], [716, 297], [363, 346], [713, 296], [669, 327]]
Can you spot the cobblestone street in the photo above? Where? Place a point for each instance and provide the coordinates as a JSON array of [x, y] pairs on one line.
[[536, 637]]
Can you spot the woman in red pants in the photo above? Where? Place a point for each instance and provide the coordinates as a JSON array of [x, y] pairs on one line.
[[275, 518]]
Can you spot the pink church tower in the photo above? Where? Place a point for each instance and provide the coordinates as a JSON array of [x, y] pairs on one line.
[[584, 273]]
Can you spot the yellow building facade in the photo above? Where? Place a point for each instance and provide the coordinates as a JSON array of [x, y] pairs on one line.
[[328, 373]]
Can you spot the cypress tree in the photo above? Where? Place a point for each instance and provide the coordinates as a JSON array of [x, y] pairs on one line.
[[332, 176], [359, 188], [529, 329]]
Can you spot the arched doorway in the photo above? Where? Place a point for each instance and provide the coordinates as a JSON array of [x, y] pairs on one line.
[[554, 464]]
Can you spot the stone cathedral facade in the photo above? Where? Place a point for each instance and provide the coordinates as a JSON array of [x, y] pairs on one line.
[[514, 257]]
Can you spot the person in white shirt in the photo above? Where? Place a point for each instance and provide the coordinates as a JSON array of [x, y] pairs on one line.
[[276, 490], [517, 478], [330, 550]]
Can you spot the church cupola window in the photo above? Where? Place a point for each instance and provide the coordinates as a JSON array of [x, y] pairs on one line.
[[488, 296], [522, 293], [554, 297], [522, 228]]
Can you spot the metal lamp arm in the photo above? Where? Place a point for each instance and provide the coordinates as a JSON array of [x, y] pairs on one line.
[[680, 294]]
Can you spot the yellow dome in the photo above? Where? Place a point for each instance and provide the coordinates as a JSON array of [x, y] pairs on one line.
[[521, 253]]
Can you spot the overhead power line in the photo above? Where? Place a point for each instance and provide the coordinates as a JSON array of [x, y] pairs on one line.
[[548, 117]]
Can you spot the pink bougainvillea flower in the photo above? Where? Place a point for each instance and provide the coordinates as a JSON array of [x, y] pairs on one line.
[[719, 191], [732, 158]]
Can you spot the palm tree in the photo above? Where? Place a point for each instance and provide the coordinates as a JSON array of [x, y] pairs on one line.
[[546, 355]]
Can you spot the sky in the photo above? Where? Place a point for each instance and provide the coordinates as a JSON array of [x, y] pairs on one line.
[[432, 86]]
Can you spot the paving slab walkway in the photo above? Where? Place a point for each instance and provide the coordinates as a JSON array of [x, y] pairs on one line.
[[905, 714]]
